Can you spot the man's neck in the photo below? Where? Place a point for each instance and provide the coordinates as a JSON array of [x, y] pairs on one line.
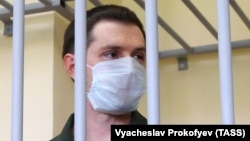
[[99, 124]]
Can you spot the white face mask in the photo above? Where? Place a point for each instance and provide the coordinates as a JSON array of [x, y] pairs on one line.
[[117, 85]]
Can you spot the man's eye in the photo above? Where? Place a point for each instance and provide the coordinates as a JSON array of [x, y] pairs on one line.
[[139, 57], [111, 55]]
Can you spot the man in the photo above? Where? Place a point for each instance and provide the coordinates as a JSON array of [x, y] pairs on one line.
[[116, 80]]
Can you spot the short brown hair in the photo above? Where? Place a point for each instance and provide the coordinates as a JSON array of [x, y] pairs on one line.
[[105, 12]]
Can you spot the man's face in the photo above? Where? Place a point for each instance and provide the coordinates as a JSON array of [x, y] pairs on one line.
[[113, 40]]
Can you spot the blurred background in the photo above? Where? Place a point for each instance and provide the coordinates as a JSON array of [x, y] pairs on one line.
[[189, 92]]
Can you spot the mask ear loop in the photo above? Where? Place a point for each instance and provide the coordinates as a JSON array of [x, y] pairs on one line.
[[88, 80], [89, 66]]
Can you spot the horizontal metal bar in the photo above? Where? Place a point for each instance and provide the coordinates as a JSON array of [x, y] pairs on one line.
[[202, 49], [29, 9], [6, 5], [39, 7], [4, 15], [8, 9], [96, 2], [202, 19], [167, 28], [63, 9], [46, 2]]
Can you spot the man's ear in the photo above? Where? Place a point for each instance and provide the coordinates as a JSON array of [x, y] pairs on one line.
[[69, 64]]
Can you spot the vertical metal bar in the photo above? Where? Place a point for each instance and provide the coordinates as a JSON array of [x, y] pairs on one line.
[[152, 62], [225, 62], [17, 71], [80, 70]]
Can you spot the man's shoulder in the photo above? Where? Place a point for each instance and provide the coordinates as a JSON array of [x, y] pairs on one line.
[[138, 118], [66, 133], [55, 138]]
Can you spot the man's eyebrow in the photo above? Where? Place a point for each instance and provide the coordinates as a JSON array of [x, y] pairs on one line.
[[114, 47], [111, 47], [141, 49]]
